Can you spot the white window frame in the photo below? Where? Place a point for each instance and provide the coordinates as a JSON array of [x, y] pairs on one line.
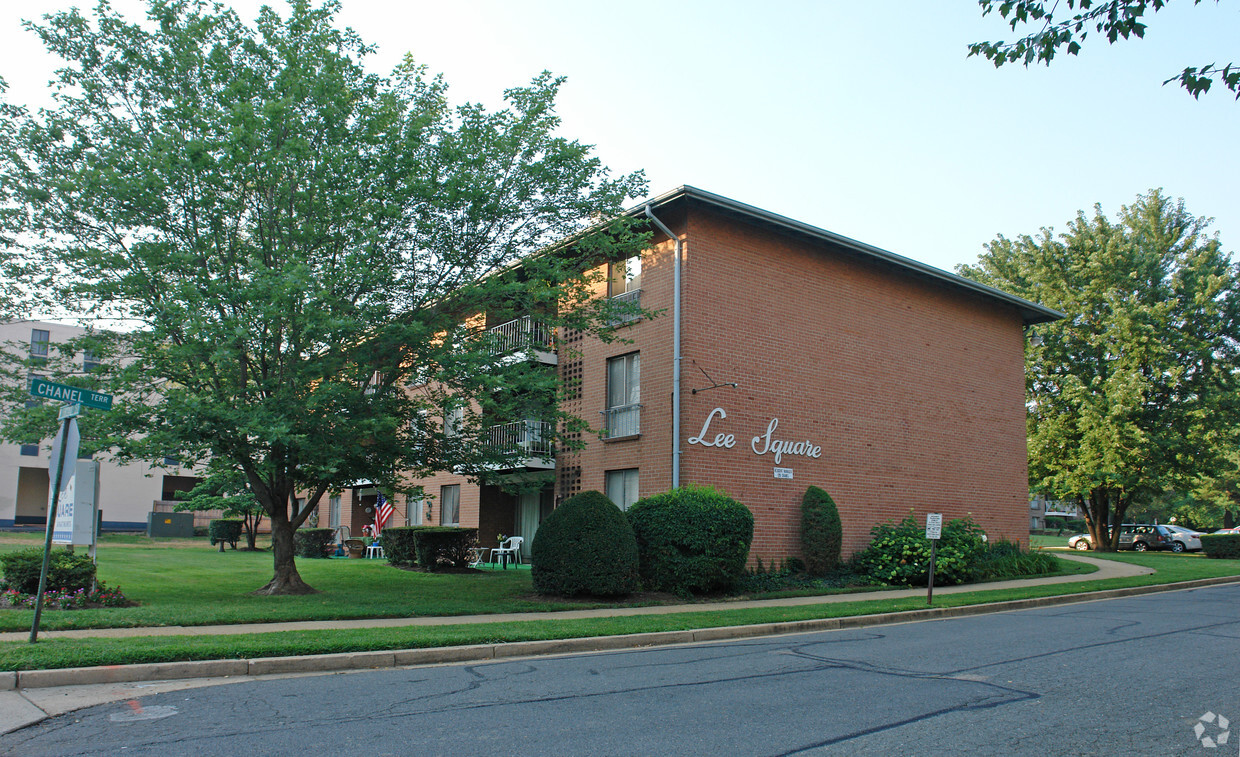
[[622, 486], [623, 413], [450, 505], [333, 511], [413, 511]]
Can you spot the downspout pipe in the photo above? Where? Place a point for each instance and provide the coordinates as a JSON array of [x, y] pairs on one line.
[[676, 356]]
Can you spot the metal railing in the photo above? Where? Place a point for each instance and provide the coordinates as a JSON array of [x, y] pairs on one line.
[[622, 420], [635, 298], [527, 438], [519, 334]]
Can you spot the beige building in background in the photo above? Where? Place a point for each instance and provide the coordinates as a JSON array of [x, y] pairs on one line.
[[127, 493]]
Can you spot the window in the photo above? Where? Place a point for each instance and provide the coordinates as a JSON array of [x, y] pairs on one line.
[[413, 511], [623, 414], [621, 486], [90, 362], [30, 450], [171, 462], [333, 511], [39, 339], [450, 505], [624, 277], [452, 418]]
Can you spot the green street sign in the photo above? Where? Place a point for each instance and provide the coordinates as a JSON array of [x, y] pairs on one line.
[[51, 391]]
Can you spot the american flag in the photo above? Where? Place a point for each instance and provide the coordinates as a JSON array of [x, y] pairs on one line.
[[383, 511]]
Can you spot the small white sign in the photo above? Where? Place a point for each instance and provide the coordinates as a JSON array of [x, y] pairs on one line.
[[783, 473], [75, 517], [934, 525]]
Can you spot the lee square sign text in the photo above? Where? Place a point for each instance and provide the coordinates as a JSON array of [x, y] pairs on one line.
[[762, 444]]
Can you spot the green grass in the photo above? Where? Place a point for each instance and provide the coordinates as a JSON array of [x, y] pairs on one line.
[[194, 585], [1038, 541]]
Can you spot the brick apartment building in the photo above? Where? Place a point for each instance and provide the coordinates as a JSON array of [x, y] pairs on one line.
[[806, 359]]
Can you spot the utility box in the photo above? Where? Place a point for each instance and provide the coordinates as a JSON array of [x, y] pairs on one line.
[[170, 524]]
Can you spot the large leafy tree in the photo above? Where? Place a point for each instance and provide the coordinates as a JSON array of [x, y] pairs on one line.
[[1054, 32], [293, 247], [1134, 392]]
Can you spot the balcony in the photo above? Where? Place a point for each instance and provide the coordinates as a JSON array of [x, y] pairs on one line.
[[633, 297], [523, 335], [527, 441], [622, 420]]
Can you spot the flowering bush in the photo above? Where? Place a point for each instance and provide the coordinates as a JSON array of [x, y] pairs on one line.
[[66, 599], [899, 553]]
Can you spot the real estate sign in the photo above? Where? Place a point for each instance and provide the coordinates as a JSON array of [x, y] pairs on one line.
[[75, 517]]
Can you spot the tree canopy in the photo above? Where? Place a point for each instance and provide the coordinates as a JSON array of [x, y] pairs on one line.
[[293, 246], [1134, 392], [1115, 20]]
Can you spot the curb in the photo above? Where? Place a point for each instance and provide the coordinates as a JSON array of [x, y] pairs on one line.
[[375, 660]]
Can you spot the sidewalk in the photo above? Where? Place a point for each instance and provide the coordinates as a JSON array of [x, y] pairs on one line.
[[28, 697]]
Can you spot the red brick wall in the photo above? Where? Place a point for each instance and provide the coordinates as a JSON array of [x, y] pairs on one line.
[[915, 394]]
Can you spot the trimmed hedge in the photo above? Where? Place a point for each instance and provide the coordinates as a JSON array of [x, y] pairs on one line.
[[899, 553], [692, 539], [399, 545], [822, 536], [585, 546], [224, 531], [438, 547], [1221, 546], [312, 542], [66, 571]]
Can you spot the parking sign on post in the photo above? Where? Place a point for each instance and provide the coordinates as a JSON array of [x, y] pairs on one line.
[[934, 530]]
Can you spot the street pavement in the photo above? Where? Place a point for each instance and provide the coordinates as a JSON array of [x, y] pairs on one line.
[[1138, 675]]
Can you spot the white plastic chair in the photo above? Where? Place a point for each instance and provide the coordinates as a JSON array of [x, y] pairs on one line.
[[510, 547]]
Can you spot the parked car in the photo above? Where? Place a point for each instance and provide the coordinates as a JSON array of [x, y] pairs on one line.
[[1136, 536], [1184, 539], [1227, 531]]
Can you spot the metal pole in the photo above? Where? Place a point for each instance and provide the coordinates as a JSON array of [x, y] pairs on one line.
[[51, 524], [934, 543]]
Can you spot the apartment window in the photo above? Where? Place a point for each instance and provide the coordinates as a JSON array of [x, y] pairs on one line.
[[621, 486], [171, 462], [333, 511], [413, 511], [624, 277], [450, 505], [90, 362], [39, 339], [623, 414], [30, 450], [452, 419]]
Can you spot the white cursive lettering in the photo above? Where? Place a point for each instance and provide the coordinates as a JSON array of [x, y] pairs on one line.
[[727, 441]]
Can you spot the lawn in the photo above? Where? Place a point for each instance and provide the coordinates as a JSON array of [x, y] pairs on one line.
[[194, 584]]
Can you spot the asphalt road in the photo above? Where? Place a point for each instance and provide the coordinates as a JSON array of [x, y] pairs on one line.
[[1115, 677]]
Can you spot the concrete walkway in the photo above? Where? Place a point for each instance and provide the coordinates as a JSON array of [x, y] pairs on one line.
[[1106, 569], [27, 697]]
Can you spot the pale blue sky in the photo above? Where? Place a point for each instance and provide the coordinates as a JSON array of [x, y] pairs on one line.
[[862, 117]]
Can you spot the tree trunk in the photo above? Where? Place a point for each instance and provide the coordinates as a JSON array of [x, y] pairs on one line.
[[286, 579], [251, 530]]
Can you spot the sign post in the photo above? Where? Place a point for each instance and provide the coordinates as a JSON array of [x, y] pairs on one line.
[[59, 478], [934, 530]]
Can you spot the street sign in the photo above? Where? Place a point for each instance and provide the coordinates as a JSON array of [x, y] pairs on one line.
[[934, 525], [52, 391], [69, 411]]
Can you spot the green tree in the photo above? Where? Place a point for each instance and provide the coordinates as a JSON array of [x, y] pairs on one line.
[[1115, 20], [1134, 392], [226, 490], [292, 246], [822, 535]]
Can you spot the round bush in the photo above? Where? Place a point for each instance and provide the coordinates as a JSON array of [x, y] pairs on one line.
[[692, 539], [312, 542], [224, 530], [66, 571], [585, 546], [821, 532], [899, 553]]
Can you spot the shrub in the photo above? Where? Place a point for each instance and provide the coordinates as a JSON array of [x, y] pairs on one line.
[[821, 533], [899, 553], [312, 542], [225, 531], [438, 547], [585, 546], [1222, 546], [399, 545], [66, 571], [692, 539], [1003, 559]]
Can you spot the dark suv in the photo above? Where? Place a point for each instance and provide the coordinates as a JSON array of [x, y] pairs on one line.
[[1142, 537]]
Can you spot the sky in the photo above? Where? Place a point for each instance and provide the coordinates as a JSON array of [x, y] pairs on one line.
[[862, 117]]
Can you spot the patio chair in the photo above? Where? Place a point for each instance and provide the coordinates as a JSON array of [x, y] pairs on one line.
[[508, 548]]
